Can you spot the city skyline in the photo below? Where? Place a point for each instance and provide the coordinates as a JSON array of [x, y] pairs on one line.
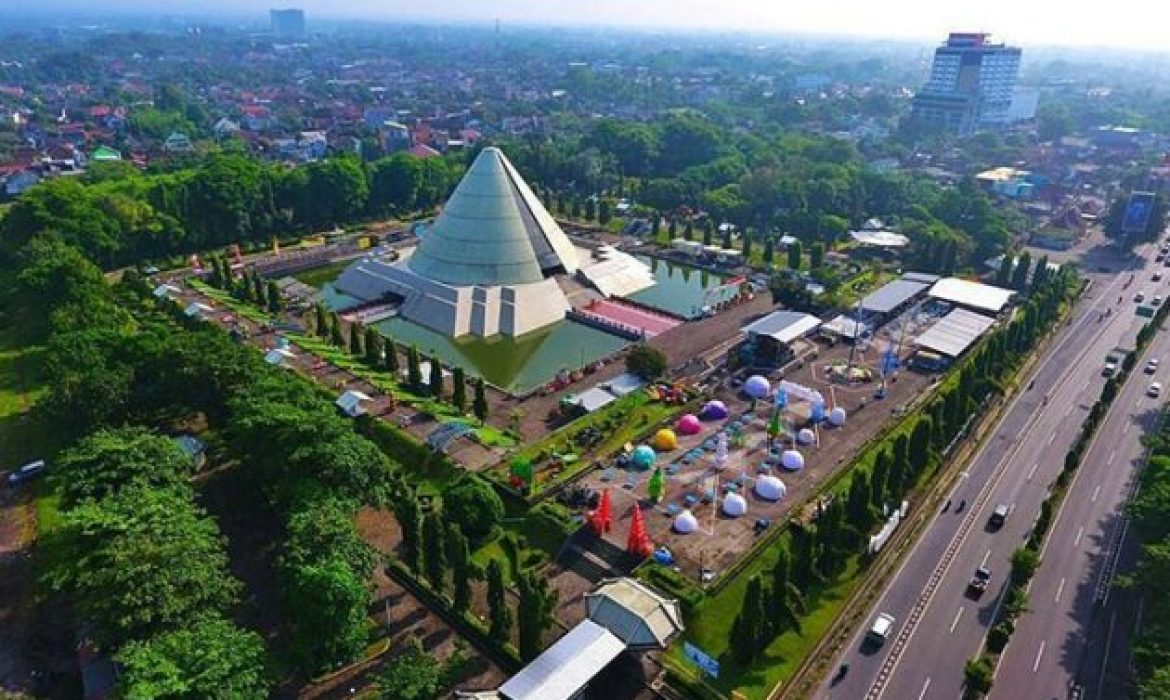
[[899, 19]]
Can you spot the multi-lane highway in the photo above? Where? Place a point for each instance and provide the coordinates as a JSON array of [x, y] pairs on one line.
[[1068, 598], [939, 625]]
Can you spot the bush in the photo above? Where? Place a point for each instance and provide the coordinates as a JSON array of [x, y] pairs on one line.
[[997, 637], [475, 505], [978, 674], [1024, 563], [646, 362]]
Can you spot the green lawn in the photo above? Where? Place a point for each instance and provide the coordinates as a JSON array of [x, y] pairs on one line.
[[622, 421], [709, 626], [23, 438]]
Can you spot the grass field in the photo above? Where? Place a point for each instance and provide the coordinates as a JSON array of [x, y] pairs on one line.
[[709, 627]]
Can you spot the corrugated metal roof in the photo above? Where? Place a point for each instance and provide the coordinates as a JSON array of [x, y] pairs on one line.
[[891, 295], [973, 294], [784, 326], [955, 332], [565, 667], [493, 231], [634, 612]]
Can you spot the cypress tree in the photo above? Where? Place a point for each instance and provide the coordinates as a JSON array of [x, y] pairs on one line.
[[803, 558], [499, 616], [258, 290], [435, 384], [879, 479], [322, 325], [656, 225], [747, 246], [374, 348], [708, 232], [355, 339], [1003, 274], [389, 355], [816, 256], [534, 614], [459, 557], [725, 238], [413, 368], [769, 251], [458, 389], [480, 405], [335, 335], [900, 478], [780, 608], [410, 518], [275, 301], [920, 445], [1020, 274], [750, 626], [860, 515], [795, 252], [672, 227], [689, 230], [434, 551], [604, 212]]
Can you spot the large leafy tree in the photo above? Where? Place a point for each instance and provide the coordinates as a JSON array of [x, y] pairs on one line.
[[329, 624], [108, 461], [475, 506], [208, 657], [140, 562]]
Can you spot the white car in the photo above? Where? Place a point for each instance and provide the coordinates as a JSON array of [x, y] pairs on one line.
[[1154, 391], [1152, 365], [882, 628], [1157, 277], [1157, 300]]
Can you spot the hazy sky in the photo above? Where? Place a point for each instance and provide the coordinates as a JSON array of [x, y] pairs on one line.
[[1118, 23]]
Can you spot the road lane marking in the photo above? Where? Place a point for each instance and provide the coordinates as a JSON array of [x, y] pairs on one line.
[[1069, 410], [1096, 492], [1059, 590], [1125, 427], [1112, 455], [1077, 541], [925, 687], [986, 557], [1039, 654], [1032, 471], [1052, 438], [954, 622]]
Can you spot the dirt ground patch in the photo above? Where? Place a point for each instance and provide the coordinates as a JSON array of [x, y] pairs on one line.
[[693, 476]]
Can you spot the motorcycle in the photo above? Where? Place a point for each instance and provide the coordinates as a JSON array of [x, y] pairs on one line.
[[962, 505]]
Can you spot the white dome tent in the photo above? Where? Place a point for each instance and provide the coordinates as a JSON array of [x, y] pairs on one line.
[[837, 417], [685, 523], [806, 436], [792, 460], [770, 488], [734, 505]]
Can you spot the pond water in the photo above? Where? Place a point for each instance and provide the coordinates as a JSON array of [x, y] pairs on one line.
[[681, 289], [515, 364]]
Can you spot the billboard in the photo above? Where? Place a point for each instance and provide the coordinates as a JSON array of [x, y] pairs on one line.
[[1137, 212], [700, 658]]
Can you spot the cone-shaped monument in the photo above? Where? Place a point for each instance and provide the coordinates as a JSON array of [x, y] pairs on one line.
[[485, 267]]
